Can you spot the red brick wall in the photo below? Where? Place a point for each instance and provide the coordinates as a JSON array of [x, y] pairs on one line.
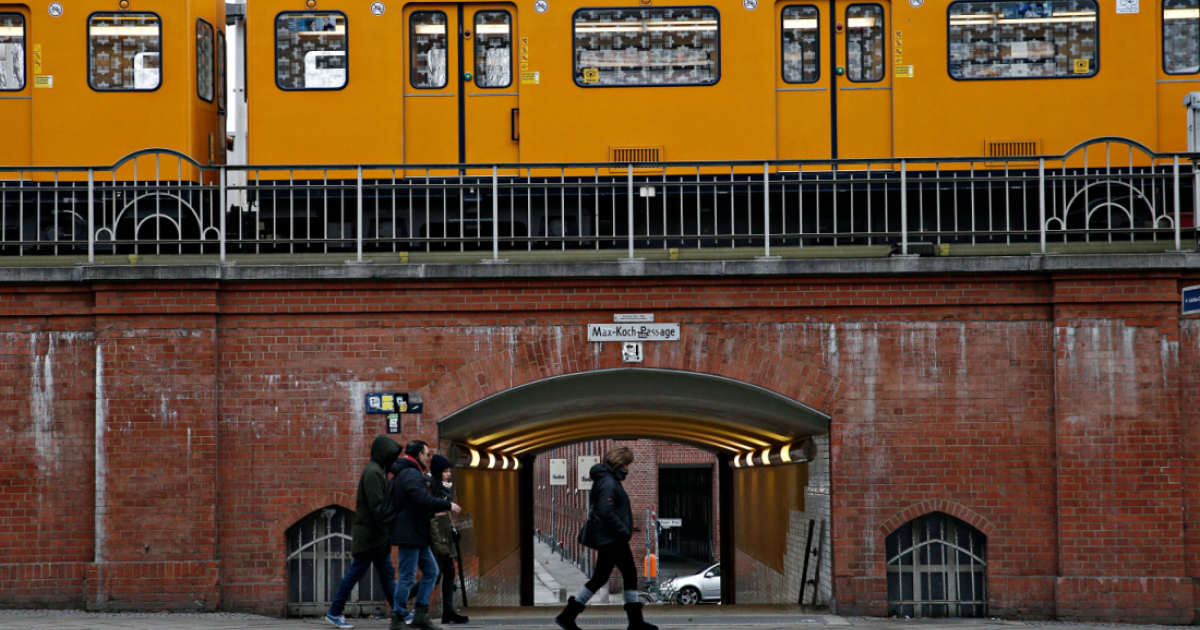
[[1050, 408]]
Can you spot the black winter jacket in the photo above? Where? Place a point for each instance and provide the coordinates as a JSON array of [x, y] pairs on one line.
[[369, 535], [417, 505], [611, 518]]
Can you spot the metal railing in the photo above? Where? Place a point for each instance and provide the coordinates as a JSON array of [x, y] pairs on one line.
[[1104, 192]]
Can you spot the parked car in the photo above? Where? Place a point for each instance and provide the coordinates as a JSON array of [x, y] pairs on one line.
[[704, 586]]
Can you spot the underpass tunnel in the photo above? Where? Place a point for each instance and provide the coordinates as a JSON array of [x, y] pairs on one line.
[[758, 445]]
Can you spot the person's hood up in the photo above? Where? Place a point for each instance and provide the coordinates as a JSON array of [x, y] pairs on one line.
[[384, 451], [403, 463], [602, 469]]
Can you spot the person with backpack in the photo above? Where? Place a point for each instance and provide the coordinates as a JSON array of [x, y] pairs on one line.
[[608, 530], [414, 508], [369, 536], [442, 538]]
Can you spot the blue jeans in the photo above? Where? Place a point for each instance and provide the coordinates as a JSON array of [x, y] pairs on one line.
[[357, 571], [410, 559]]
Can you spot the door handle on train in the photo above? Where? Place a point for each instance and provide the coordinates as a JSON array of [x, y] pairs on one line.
[[516, 119]]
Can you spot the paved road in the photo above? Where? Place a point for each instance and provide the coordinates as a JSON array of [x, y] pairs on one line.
[[668, 618]]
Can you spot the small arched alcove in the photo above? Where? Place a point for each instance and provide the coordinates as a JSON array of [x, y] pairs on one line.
[[318, 555], [936, 568]]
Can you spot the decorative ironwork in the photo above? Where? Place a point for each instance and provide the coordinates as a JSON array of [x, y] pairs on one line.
[[318, 557], [935, 568]]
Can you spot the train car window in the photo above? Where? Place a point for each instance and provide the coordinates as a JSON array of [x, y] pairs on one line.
[[801, 44], [1181, 36], [204, 60], [12, 52], [865, 45], [220, 50], [124, 52], [428, 61], [311, 50], [493, 49], [647, 46], [1023, 40]]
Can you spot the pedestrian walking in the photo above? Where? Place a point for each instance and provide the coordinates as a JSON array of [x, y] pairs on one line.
[[410, 534], [369, 544], [442, 538], [608, 530]]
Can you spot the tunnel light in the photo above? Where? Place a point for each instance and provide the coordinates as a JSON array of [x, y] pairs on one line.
[[785, 453], [766, 456], [737, 460], [491, 461], [474, 457]]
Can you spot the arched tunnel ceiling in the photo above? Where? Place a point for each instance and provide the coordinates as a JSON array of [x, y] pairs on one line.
[[711, 412]]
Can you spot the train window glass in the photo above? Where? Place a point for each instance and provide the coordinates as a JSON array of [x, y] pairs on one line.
[[124, 51], [204, 60], [864, 43], [647, 46], [493, 49], [311, 49], [1181, 36], [12, 52], [801, 44], [1017, 40], [220, 50], [428, 59]]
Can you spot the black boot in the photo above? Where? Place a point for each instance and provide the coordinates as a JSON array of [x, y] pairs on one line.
[[421, 619], [566, 618], [636, 622], [452, 616]]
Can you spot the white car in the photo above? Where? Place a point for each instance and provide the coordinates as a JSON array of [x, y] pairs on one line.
[[704, 586]]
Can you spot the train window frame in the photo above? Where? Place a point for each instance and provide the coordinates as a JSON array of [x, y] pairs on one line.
[[718, 49], [24, 52], [221, 68], [413, 58], [346, 49], [162, 67], [816, 51], [1163, 44], [212, 34], [511, 46], [1091, 74], [883, 14]]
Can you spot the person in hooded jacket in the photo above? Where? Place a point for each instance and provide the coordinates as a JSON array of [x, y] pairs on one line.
[[410, 535], [369, 537], [608, 530], [442, 538]]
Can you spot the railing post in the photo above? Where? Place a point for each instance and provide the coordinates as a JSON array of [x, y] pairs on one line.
[[903, 208], [1042, 202], [359, 231], [495, 213], [224, 208], [92, 217], [631, 210], [1176, 221], [767, 209]]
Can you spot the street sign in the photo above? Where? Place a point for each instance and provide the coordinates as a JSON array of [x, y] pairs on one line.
[[633, 318], [558, 472], [1191, 300], [633, 332], [584, 482], [670, 522]]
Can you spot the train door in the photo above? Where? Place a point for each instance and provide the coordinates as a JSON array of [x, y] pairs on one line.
[[460, 96], [802, 80], [863, 79], [16, 87]]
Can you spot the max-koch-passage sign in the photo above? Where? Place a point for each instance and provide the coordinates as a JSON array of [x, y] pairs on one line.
[[633, 332]]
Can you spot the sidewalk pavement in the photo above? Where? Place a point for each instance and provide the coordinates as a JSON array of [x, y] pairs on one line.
[[554, 573]]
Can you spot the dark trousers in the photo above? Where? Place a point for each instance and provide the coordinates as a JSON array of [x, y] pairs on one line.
[[446, 566], [617, 555], [359, 568]]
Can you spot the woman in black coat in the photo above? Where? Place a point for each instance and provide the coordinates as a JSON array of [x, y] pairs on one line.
[[608, 530]]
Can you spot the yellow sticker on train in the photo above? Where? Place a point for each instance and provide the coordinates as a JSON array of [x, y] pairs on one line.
[[43, 81], [1083, 66], [37, 58], [529, 78], [904, 72], [591, 75]]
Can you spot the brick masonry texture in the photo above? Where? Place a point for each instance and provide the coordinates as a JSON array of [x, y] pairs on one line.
[[160, 438]]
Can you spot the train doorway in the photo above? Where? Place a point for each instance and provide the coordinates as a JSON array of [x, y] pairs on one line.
[[802, 101], [461, 89], [16, 87], [866, 59]]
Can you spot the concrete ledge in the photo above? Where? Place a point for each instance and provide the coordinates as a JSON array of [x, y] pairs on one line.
[[209, 272]]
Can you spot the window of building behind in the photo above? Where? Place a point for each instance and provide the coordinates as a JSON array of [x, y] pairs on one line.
[[647, 46], [311, 50], [865, 45], [428, 58], [1181, 36], [1017, 40], [493, 49], [124, 51], [204, 60], [12, 52], [801, 44]]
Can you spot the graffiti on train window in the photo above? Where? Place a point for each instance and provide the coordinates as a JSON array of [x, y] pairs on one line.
[[801, 44], [865, 44], [124, 51], [1018, 40], [311, 51], [428, 50], [12, 52], [493, 49], [204, 60], [647, 46], [1181, 36]]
